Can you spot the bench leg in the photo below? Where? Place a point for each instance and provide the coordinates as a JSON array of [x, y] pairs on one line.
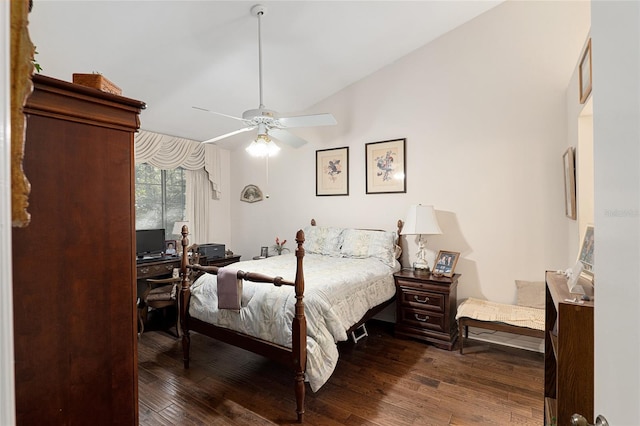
[[461, 334]]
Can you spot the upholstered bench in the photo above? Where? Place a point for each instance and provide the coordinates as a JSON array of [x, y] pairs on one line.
[[526, 318]]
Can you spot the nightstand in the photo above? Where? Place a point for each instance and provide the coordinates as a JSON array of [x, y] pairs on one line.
[[426, 308], [223, 261]]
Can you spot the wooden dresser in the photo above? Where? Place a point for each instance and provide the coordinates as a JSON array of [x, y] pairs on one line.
[[568, 360], [74, 295]]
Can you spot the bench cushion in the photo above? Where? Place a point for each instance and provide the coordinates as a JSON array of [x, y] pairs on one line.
[[484, 310]]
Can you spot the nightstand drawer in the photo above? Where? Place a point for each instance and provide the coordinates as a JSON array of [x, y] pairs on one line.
[[434, 302], [421, 319]]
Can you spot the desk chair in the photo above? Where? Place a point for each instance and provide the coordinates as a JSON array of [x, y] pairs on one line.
[[163, 293]]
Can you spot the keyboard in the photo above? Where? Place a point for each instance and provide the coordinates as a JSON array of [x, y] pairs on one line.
[[151, 259]]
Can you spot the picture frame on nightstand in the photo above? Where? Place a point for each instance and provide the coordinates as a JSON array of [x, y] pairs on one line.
[[445, 264]]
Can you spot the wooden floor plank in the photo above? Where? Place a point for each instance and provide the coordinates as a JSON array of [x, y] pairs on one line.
[[380, 381]]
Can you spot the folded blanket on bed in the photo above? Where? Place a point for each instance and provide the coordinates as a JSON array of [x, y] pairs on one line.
[[229, 289]]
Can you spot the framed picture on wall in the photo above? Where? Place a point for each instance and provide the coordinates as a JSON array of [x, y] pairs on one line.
[[385, 167], [586, 252], [585, 73], [569, 162], [332, 171]]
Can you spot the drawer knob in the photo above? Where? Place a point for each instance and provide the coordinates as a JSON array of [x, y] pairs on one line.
[[419, 300], [423, 318]]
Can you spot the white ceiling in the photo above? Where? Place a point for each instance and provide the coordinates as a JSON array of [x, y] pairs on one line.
[[177, 54]]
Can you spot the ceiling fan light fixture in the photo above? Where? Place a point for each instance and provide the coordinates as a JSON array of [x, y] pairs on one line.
[[262, 146], [266, 120]]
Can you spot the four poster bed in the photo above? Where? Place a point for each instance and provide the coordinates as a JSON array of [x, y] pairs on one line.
[[348, 275]]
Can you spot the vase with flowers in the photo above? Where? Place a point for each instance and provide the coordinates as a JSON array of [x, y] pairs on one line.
[[279, 246]]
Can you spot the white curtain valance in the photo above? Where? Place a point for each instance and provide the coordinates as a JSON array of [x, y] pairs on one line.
[[169, 152]]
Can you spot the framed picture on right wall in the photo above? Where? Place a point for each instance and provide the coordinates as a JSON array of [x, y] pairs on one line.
[[586, 253], [569, 162], [585, 73]]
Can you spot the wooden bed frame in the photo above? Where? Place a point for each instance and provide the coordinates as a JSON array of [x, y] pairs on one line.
[[294, 357]]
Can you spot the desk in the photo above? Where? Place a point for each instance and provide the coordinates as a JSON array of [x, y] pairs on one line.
[[157, 268], [164, 267]]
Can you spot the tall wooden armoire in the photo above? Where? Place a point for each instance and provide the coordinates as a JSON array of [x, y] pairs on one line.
[[74, 293]]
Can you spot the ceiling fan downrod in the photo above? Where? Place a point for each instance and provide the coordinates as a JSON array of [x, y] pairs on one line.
[[259, 10]]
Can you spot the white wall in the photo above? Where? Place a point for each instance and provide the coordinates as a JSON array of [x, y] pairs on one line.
[[616, 66], [580, 136], [484, 112]]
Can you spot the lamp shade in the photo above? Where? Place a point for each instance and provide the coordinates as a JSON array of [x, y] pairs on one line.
[[177, 228], [421, 220]]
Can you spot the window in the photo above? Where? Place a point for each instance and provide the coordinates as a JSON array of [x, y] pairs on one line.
[[160, 198]]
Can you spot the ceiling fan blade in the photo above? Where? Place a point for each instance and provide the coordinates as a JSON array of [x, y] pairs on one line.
[[219, 113], [308, 120], [286, 137], [217, 138]]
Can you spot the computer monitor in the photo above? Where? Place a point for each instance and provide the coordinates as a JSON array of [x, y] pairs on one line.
[[149, 242]]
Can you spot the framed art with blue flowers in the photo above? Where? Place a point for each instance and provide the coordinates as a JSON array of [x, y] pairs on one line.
[[385, 167]]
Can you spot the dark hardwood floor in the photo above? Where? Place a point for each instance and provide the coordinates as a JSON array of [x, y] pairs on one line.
[[380, 380]]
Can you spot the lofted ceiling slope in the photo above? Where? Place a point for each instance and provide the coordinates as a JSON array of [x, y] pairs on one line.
[[177, 54]]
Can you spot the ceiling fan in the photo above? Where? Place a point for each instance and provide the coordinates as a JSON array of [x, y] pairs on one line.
[[268, 122]]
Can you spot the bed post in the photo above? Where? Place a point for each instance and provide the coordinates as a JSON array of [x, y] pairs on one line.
[[184, 296], [400, 226], [299, 331]]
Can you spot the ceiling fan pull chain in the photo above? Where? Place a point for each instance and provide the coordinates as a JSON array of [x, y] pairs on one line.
[[267, 171]]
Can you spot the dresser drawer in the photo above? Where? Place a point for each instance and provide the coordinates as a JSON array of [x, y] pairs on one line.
[[422, 319], [420, 299]]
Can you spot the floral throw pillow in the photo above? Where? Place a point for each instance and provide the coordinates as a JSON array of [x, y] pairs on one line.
[[323, 240], [361, 243]]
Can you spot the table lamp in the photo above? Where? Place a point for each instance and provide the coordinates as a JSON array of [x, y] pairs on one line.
[[177, 228], [421, 220]]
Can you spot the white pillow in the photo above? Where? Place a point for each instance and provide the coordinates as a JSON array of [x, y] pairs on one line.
[[361, 243], [531, 294], [323, 240]]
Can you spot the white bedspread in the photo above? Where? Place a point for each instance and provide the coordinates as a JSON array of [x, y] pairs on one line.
[[338, 292]]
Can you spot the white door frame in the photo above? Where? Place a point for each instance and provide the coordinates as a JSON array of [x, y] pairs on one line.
[[615, 35], [7, 384]]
